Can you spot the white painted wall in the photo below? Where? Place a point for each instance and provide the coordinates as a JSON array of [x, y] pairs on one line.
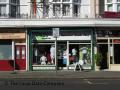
[[25, 7], [85, 9]]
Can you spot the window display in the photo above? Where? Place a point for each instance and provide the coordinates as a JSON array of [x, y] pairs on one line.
[[43, 54], [80, 52], [52, 54]]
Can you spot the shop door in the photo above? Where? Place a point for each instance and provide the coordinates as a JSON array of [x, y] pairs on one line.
[[62, 54], [20, 57], [103, 50]]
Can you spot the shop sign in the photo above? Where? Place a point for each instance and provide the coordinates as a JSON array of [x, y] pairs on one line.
[[12, 35], [40, 38], [56, 32], [116, 41]]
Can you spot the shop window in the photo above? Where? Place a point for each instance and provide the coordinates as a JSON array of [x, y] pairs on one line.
[[43, 54], [79, 52], [5, 50]]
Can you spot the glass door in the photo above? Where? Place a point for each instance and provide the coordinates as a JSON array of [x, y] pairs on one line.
[[62, 54], [20, 57]]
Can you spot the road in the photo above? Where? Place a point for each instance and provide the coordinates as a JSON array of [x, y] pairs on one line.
[[60, 84]]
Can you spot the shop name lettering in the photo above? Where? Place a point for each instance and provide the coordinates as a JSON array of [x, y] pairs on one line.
[[41, 38], [38, 83]]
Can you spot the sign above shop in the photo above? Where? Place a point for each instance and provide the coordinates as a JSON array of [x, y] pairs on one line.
[[44, 38], [12, 35], [116, 41], [56, 32]]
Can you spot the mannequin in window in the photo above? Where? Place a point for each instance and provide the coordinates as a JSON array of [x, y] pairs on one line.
[[52, 54], [84, 54], [36, 55], [74, 53], [43, 60]]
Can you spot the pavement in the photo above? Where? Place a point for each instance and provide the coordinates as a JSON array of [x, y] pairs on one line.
[[60, 74]]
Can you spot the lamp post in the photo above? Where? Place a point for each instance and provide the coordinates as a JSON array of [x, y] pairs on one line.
[[56, 35]]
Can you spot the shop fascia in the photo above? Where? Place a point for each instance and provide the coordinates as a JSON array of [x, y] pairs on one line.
[[38, 38]]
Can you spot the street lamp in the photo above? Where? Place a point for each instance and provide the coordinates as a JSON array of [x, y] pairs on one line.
[[56, 35]]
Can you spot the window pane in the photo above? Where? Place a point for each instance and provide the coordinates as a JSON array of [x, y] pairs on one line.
[[66, 10], [66, 0], [56, 0], [109, 1], [2, 0], [18, 53], [23, 52], [118, 8], [5, 51], [2, 9], [43, 54], [118, 0], [56, 10], [77, 1], [110, 7]]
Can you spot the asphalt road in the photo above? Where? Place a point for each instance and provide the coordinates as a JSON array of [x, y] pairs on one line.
[[59, 84]]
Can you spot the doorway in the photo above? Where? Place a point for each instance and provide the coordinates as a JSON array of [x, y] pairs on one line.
[[62, 54], [103, 50], [116, 53], [20, 57]]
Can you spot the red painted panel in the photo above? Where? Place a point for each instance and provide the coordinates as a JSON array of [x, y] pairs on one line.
[[6, 65], [111, 14], [20, 65]]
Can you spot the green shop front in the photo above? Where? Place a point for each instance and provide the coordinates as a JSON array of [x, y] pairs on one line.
[[74, 44]]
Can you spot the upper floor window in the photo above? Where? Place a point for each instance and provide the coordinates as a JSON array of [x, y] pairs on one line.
[[2, 10], [2, 0], [118, 0], [77, 1], [66, 0], [66, 10], [109, 1], [118, 8], [14, 1], [56, 9], [56, 0], [109, 7]]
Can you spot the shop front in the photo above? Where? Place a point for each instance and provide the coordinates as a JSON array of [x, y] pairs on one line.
[[72, 45], [12, 49], [108, 44]]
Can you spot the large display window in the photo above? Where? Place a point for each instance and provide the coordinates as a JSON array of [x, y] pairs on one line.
[[5, 50], [79, 52], [73, 45], [44, 54]]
